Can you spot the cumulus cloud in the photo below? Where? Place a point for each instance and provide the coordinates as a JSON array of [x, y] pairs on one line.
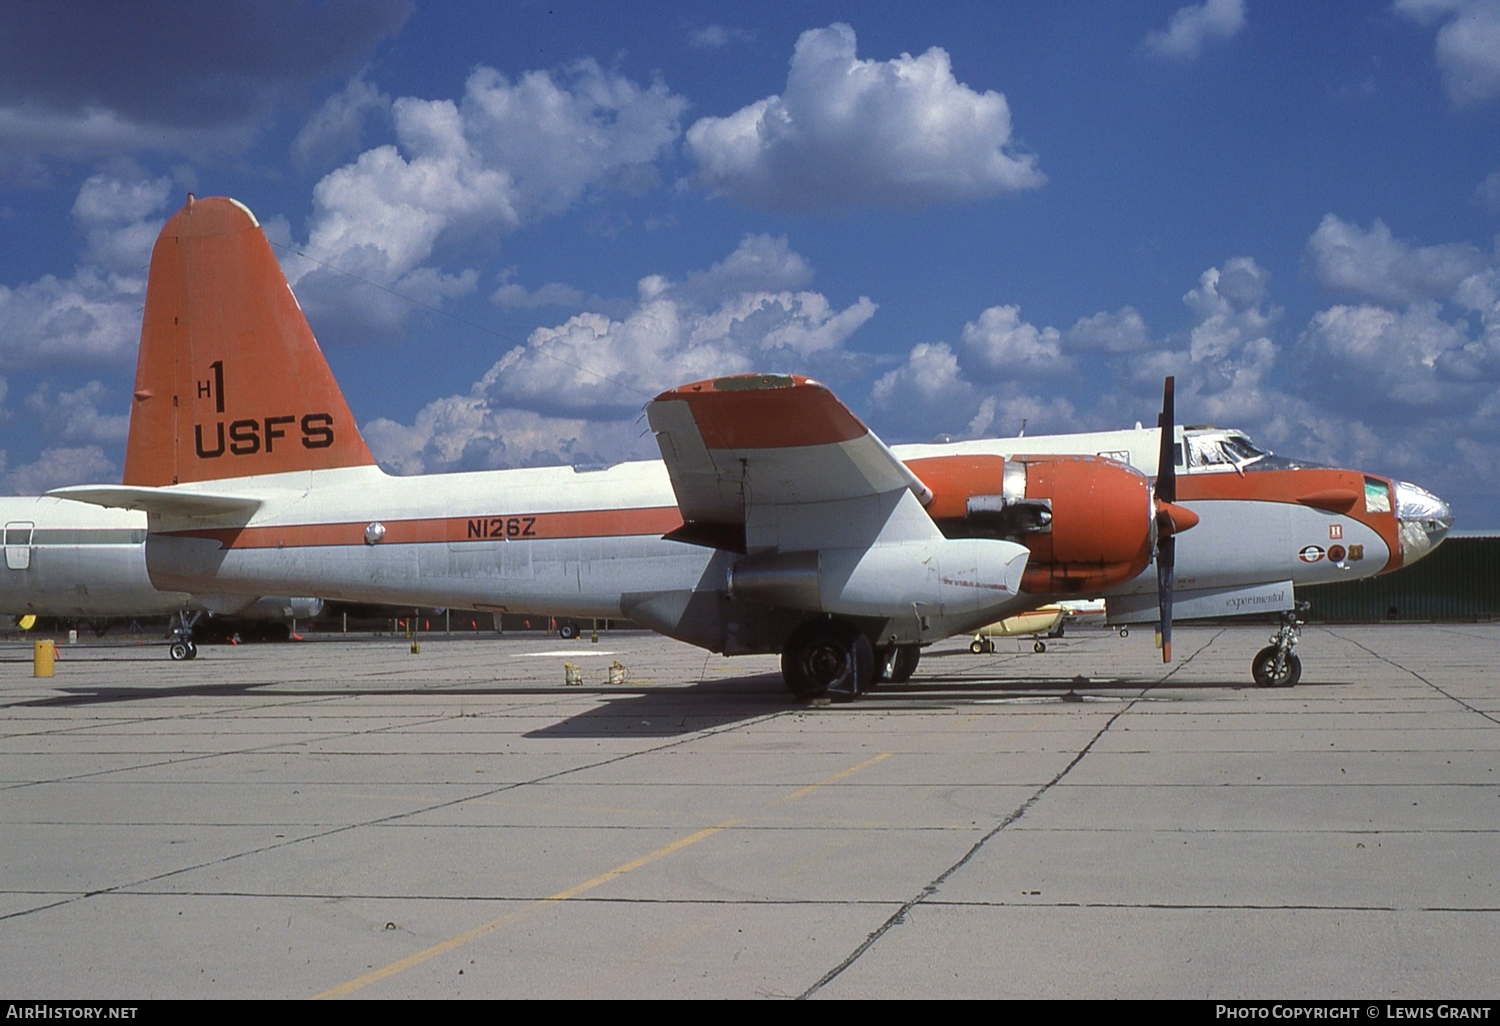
[[979, 386], [850, 132], [931, 396], [928, 380], [1191, 27], [504, 155], [1467, 50], [1123, 331], [1231, 309], [1376, 265], [1000, 343], [1426, 338], [95, 313], [573, 392], [983, 385], [74, 416], [56, 468], [1488, 192], [1408, 388], [716, 37], [82, 79], [1371, 356], [337, 128], [469, 433], [1398, 346]]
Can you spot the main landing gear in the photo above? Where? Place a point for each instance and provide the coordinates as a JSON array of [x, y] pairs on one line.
[[834, 659], [896, 663]]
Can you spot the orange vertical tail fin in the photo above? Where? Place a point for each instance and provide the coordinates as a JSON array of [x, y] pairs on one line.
[[230, 381]]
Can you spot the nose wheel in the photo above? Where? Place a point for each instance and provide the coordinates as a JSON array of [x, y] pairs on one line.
[[1273, 669], [1277, 665], [181, 637]]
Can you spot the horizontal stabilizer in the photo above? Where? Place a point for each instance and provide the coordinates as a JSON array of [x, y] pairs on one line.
[[167, 502]]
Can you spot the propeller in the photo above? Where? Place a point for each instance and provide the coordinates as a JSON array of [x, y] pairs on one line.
[[1166, 495]]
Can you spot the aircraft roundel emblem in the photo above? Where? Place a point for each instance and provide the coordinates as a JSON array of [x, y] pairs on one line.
[[1311, 553], [1336, 553]]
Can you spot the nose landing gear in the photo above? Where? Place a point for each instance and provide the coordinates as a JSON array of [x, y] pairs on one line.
[[1277, 665], [181, 637]]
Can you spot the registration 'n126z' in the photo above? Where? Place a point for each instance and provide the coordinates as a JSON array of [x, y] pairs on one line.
[[503, 527]]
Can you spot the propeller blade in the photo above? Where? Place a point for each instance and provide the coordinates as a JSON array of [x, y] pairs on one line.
[[1165, 564], [1166, 466], [1166, 492]]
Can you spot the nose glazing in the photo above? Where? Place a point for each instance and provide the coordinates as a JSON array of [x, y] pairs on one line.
[[1423, 519]]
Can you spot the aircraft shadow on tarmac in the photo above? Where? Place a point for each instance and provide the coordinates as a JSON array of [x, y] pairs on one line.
[[673, 711]]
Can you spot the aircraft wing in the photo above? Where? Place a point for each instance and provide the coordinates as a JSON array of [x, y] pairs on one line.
[[779, 457], [166, 502]]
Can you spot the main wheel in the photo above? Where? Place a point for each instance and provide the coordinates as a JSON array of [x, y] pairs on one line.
[[1264, 669], [179, 651], [907, 657], [976, 646], [567, 630], [192, 650], [828, 657], [1039, 646], [895, 663]]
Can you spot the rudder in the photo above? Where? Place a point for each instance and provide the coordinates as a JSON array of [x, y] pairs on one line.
[[230, 381]]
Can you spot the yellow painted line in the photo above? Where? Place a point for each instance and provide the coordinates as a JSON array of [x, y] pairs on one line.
[[483, 930], [494, 924], [809, 789]]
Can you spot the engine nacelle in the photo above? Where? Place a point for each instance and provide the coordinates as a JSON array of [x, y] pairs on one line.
[[945, 577], [1088, 521]]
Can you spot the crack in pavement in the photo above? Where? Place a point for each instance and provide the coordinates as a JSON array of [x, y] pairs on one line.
[[932, 887], [116, 888]]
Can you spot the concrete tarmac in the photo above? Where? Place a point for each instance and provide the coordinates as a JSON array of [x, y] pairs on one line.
[[344, 818]]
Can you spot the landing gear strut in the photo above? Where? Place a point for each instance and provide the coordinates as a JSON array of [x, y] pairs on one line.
[[1277, 665], [828, 657]]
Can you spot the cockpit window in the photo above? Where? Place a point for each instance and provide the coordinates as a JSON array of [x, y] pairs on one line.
[[1377, 496], [1207, 452], [1226, 451], [1242, 449]]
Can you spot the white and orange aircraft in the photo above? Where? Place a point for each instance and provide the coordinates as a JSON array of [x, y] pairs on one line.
[[85, 565], [775, 521]]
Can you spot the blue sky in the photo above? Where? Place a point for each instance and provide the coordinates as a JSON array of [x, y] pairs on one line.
[[511, 224]]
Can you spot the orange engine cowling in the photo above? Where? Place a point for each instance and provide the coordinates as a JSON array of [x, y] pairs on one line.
[[1087, 520]]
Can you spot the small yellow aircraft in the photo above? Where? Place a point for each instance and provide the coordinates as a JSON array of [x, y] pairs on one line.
[[1049, 620]]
